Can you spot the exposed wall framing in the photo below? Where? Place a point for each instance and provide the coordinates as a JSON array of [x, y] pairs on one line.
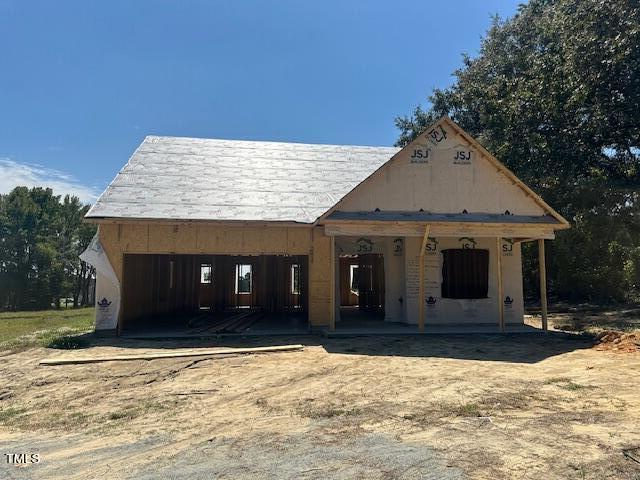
[[157, 284]]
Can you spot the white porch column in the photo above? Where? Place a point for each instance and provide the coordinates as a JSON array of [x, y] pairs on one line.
[[542, 267]]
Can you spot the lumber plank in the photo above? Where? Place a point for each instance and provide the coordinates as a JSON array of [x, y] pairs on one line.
[[203, 352], [500, 283], [542, 267], [421, 299]]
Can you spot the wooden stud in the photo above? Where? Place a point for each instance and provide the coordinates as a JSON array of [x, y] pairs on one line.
[[332, 285], [425, 238], [543, 284], [500, 285]]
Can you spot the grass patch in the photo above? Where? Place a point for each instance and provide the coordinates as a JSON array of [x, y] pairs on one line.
[[565, 383], [324, 411], [66, 342], [572, 386], [7, 415], [471, 409], [78, 418], [43, 419], [468, 410], [126, 413], [444, 409], [480, 407], [49, 328], [554, 380], [135, 411]]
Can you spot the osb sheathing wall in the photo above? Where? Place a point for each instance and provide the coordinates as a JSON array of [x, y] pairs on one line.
[[445, 176], [118, 239]]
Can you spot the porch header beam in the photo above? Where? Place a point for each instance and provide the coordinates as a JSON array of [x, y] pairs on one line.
[[414, 229]]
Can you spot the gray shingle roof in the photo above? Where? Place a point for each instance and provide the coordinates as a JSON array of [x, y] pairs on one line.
[[176, 178]]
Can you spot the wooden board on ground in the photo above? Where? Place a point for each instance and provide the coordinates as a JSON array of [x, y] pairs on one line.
[[177, 354]]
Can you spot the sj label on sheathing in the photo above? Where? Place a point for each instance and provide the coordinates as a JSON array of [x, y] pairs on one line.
[[420, 154], [507, 247], [431, 247], [462, 156]]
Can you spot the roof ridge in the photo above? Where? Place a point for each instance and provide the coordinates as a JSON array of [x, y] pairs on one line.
[[235, 140]]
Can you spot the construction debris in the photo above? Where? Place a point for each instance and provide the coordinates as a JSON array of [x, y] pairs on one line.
[[175, 354], [632, 454], [616, 341]]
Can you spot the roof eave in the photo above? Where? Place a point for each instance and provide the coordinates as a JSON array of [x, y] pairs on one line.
[[185, 221]]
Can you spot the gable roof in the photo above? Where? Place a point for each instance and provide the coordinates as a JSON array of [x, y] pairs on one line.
[[500, 167], [176, 178], [191, 179]]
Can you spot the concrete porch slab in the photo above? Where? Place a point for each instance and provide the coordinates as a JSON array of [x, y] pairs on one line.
[[380, 328]]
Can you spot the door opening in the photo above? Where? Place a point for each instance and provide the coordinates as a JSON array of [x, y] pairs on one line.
[[362, 286]]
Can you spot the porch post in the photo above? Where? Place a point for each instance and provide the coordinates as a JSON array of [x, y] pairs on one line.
[[543, 284], [421, 276], [500, 285], [332, 284]]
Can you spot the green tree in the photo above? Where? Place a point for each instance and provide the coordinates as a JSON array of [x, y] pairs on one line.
[[555, 94], [41, 238]]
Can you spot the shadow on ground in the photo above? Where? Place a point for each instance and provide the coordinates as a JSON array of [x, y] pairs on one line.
[[516, 348]]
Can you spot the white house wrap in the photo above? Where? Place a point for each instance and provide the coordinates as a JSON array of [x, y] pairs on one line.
[[107, 286]]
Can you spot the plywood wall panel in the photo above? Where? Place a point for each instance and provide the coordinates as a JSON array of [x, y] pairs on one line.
[[134, 238], [208, 238], [184, 238], [161, 238], [298, 240], [442, 183], [231, 240], [274, 240], [108, 235]]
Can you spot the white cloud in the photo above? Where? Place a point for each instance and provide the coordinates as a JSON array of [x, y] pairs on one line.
[[14, 174]]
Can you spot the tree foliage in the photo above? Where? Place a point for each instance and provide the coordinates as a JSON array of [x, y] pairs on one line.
[[555, 94], [41, 236]]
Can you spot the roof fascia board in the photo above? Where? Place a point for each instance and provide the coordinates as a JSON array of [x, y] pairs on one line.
[[169, 221]]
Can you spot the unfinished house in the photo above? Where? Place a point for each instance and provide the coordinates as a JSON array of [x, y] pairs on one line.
[[207, 236]]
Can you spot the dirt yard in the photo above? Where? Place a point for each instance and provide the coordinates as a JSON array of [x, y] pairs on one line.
[[454, 407]]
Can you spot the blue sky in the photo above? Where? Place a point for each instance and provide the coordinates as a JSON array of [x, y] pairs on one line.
[[82, 82]]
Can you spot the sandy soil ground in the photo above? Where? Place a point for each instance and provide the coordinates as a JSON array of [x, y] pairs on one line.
[[480, 407]]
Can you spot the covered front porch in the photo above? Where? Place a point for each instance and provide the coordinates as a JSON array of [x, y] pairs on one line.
[[355, 323], [432, 273]]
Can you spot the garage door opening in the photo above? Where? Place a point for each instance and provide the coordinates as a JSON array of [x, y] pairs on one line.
[[212, 294]]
